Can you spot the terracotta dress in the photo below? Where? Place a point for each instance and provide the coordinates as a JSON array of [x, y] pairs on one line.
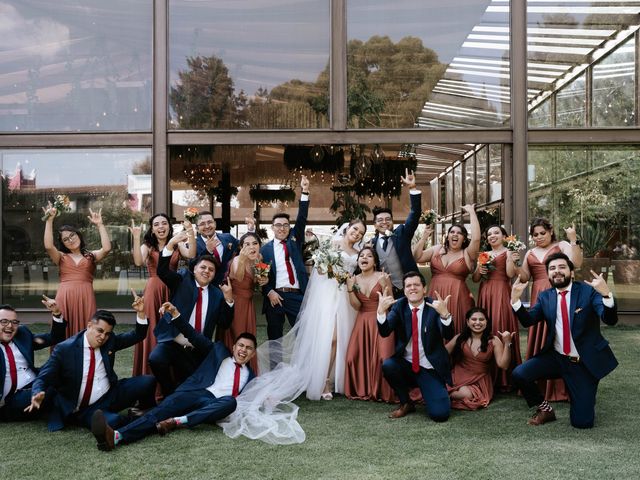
[[452, 280], [244, 313], [494, 296], [475, 373], [75, 295], [155, 294], [366, 352], [554, 390]]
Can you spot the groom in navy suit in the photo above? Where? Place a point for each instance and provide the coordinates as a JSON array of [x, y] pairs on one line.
[[393, 246], [80, 371], [284, 291], [421, 325], [574, 349], [205, 397], [221, 246], [202, 303], [17, 368]]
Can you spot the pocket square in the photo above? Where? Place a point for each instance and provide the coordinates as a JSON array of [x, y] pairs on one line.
[[578, 310]]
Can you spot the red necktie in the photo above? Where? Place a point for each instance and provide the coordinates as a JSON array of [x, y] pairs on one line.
[[415, 355], [13, 371], [86, 396], [216, 254], [566, 331], [292, 278], [198, 322], [236, 381]]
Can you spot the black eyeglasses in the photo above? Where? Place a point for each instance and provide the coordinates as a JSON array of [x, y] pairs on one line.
[[5, 321], [69, 237]]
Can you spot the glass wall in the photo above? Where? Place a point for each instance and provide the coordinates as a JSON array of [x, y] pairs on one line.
[[247, 64], [70, 66], [414, 63], [598, 190], [118, 184]]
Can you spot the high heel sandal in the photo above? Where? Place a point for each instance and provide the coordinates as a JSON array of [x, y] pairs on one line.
[[327, 396]]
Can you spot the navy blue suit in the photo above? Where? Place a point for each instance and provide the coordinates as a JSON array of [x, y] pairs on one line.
[[397, 370], [291, 300], [586, 309], [403, 234], [63, 373], [191, 398], [229, 244], [167, 354], [26, 342]]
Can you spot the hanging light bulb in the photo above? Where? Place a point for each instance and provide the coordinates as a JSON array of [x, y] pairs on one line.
[[317, 153]]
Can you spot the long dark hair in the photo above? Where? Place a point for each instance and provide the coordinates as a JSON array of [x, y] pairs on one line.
[[485, 235], [466, 334], [463, 230], [83, 247], [376, 260], [246, 235], [150, 238]]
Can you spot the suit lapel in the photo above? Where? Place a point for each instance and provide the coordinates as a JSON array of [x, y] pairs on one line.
[[78, 363]]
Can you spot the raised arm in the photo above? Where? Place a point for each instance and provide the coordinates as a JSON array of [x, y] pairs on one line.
[[415, 198], [385, 301], [49, 245], [126, 340], [303, 211], [105, 242], [419, 251], [474, 246], [169, 277], [571, 248], [58, 330], [189, 248], [139, 254], [199, 341]]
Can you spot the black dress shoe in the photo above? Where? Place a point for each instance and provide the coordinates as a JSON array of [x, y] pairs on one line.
[[102, 431]]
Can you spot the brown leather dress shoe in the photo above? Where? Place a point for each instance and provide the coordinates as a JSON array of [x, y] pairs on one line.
[[102, 431], [403, 410], [541, 417], [166, 426]]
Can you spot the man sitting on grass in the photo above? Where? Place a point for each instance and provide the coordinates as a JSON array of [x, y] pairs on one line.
[[207, 396]]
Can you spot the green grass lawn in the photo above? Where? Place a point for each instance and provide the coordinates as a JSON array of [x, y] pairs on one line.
[[356, 440]]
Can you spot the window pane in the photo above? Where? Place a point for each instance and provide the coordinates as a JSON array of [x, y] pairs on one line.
[[602, 202], [541, 116], [118, 182], [614, 88], [495, 173], [412, 63], [457, 179], [247, 64], [470, 180], [481, 175], [76, 65], [570, 104], [450, 206]]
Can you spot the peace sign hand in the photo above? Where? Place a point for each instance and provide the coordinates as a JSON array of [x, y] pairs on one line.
[[409, 178], [227, 291], [441, 306]]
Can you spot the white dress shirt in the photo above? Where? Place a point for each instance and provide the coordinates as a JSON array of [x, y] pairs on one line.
[[223, 384], [100, 379], [24, 373], [282, 276]]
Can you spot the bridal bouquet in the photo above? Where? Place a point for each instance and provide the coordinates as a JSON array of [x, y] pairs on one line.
[[327, 260], [486, 260], [260, 272], [191, 214], [513, 244], [61, 203], [429, 217]]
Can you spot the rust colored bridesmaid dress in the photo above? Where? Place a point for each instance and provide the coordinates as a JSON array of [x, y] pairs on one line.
[[476, 373], [75, 295], [452, 280]]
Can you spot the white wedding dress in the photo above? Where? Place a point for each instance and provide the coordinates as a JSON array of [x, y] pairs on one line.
[[265, 408]]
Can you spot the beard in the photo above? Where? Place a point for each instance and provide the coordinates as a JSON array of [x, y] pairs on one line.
[[560, 281]]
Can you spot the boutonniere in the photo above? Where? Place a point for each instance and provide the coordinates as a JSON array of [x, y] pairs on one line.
[[293, 238], [229, 246], [578, 310], [109, 353]]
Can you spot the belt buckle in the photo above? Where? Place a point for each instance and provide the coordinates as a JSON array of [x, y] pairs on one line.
[[574, 359]]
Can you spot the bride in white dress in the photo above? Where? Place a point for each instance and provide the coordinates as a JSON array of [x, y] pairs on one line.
[[313, 354]]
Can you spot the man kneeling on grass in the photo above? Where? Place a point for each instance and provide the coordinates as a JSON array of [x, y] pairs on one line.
[[207, 396]]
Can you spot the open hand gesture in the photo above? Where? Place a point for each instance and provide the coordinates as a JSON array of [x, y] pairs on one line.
[[409, 178], [599, 284], [51, 305], [50, 211], [439, 305], [385, 300], [95, 217], [168, 307], [36, 402]]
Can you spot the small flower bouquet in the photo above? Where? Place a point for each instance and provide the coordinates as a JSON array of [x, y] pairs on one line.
[[513, 244], [61, 203], [327, 260], [486, 260], [191, 214], [260, 271], [429, 217]]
